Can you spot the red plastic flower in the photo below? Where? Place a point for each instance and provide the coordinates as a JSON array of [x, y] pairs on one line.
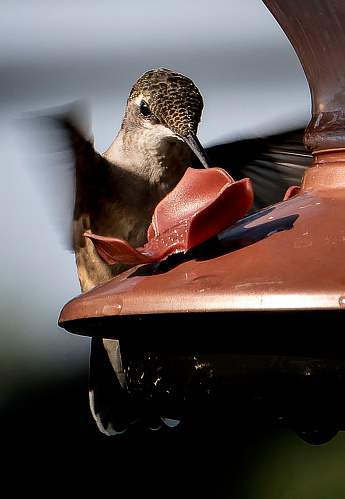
[[203, 204]]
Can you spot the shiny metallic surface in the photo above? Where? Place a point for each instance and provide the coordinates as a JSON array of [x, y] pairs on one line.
[[285, 257], [316, 31], [298, 268], [201, 334]]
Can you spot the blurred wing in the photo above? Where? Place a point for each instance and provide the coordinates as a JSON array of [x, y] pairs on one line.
[[273, 164], [87, 161], [59, 145]]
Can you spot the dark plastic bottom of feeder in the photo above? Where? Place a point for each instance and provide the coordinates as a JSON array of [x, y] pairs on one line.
[[237, 369]]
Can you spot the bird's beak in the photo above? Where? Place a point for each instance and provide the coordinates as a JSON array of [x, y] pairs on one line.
[[193, 142]]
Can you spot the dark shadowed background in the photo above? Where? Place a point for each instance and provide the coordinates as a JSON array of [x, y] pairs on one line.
[[53, 53]]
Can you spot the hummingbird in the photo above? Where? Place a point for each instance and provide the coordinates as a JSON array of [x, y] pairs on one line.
[[117, 192], [115, 195]]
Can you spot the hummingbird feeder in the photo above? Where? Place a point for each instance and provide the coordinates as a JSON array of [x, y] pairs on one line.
[[243, 327]]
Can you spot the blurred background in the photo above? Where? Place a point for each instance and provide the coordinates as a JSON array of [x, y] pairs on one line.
[[53, 53]]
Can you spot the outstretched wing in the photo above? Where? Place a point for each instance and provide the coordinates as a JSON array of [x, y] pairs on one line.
[[60, 153], [88, 189], [75, 129], [272, 163]]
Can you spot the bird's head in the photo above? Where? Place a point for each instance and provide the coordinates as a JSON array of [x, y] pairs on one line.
[[164, 97]]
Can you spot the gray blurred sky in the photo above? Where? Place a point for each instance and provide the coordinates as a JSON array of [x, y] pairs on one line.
[[53, 52]]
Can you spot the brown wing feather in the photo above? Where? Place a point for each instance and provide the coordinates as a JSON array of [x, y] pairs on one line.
[[272, 163]]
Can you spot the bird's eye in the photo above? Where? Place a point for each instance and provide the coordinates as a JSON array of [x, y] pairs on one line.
[[144, 109]]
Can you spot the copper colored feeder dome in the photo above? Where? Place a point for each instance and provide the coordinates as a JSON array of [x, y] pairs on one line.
[[298, 263], [246, 323], [289, 256]]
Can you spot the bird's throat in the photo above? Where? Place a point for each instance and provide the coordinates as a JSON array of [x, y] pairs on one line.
[[155, 155]]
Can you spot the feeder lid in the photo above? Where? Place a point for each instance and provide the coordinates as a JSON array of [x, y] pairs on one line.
[[286, 257]]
